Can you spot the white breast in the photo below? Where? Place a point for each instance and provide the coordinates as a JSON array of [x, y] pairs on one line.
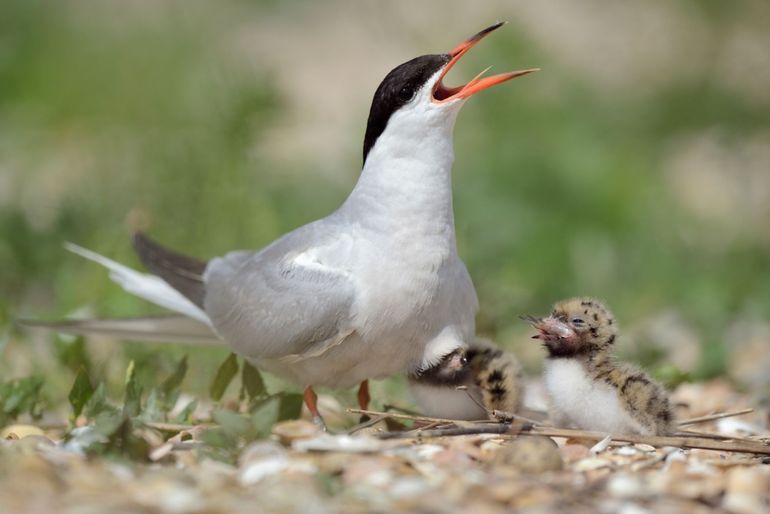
[[586, 403]]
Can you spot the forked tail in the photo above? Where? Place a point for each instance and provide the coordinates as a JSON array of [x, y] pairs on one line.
[[179, 287], [149, 287]]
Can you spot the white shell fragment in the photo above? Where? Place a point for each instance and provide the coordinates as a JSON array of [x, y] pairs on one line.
[[602, 445], [338, 443]]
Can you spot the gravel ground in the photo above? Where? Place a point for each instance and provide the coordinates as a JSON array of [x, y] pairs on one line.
[[299, 469]]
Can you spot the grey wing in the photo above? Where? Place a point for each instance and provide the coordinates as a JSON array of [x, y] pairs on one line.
[[286, 300]]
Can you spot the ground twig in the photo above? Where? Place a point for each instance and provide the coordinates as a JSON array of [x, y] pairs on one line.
[[427, 419], [712, 417], [499, 428], [709, 442], [741, 446]]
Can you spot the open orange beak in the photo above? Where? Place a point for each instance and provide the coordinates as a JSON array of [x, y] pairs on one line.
[[441, 93]]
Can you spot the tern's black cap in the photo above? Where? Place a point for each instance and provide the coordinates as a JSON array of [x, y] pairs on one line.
[[396, 90]]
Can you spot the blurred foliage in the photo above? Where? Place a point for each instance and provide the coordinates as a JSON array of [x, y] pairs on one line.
[[100, 427], [142, 114], [21, 396]]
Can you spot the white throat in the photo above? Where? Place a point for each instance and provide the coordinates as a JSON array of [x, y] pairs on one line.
[[407, 176]]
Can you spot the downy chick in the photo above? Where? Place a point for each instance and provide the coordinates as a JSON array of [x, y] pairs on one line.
[[492, 377], [587, 388]]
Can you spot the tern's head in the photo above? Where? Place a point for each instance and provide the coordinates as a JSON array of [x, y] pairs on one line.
[[413, 99], [576, 326]]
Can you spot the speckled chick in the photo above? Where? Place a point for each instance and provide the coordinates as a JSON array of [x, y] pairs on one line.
[[497, 374], [587, 388], [492, 377]]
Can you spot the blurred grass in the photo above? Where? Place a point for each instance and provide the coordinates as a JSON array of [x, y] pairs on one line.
[[114, 114]]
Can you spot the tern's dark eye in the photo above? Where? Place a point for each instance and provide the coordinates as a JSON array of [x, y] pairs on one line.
[[577, 321], [406, 93]]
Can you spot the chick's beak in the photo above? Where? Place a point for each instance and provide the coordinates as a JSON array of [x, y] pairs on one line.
[[442, 93], [551, 329]]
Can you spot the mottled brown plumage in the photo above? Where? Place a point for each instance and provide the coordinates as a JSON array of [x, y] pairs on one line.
[[497, 374], [491, 376], [588, 388]]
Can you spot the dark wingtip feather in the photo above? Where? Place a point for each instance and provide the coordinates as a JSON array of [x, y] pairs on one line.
[[183, 273]]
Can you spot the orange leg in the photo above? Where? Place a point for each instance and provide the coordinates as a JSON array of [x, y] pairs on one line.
[[311, 400], [363, 395], [363, 399]]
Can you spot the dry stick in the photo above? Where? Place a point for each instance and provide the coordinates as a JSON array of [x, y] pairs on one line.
[[711, 435], [389, 407], [741, 446], [473, 399], [173, 427], [366, 424], [658, 441], [429, 426], [501, 416], [428, 419], [500, 428], [505, 416], [712, 417]]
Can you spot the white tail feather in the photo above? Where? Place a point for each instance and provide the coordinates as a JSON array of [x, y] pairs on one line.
[[168, 329], [144, 285]]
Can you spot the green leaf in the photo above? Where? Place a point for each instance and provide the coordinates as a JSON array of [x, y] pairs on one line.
[[219, 445], [225, 375], [132, 402], [20, 396], [121, 439], [265, 416], [291, 406], [171, 385], [152, 410], [71, 352], [219, 438], [107, 423], [252, 382], [234, 424], [81, 392], [98, 404]]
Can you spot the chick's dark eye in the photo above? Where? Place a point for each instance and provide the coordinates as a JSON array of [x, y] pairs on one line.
[[406, 93], [577, 321]]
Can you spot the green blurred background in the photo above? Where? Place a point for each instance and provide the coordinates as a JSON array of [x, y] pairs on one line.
[[633, 167]]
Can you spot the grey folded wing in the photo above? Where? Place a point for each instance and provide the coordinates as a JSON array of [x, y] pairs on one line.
[[267, 305]]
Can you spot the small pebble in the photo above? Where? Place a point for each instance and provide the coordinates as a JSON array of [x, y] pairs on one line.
[[289, 431], [534, 454], [574, 452], [747, 490], [592, 464], [627, 451], [627, 485]]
